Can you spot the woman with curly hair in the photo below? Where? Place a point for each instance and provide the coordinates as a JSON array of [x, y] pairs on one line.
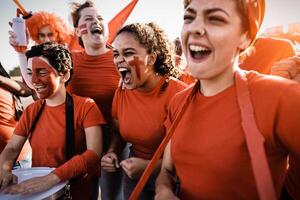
[[143, 57], [72, 147]]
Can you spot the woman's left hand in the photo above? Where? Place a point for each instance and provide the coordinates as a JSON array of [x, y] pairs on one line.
[[33, 185], [134, 167]]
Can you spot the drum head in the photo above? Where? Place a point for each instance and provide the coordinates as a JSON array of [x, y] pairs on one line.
[[27, 173]]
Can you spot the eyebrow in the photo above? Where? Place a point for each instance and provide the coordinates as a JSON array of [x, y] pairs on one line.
[[208, 11], [216, 10], [126, 49], [92, 16]]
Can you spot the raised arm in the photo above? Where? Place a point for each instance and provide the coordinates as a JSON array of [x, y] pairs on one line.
[[16, 87], [22, 59]]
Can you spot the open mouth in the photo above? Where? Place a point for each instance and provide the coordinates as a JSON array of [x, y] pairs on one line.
[[40, 88], [97, 30], [125, 74], [199, 52]]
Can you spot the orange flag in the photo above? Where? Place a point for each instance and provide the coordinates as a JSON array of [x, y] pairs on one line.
[[118, 21]]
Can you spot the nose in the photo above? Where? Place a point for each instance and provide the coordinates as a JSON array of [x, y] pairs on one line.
[[47, 39], [118, 60], [198, 27], [34, 78]]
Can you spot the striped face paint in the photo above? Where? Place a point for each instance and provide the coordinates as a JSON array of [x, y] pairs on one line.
[[136, 63], [83, 29]]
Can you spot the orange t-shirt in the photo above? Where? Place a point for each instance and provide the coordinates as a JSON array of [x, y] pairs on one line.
[[141, 116], [267, 51], [48, 138], [95, 77], [209, 150], [8, 122]]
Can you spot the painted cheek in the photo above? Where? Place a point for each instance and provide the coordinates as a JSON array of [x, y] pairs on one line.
[[48, 81], [136, 63], [83, 29], [51, 84]]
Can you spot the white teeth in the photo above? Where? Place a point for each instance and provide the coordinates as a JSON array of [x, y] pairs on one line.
[[198, 48], [39, 86], [122, 69]]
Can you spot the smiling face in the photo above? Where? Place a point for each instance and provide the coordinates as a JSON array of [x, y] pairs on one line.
[[212, 37], [131, 60], [91, 27], [45, 78]]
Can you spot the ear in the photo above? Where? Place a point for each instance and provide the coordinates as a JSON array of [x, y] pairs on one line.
[[245, 41], [151, 59], [66, 77]]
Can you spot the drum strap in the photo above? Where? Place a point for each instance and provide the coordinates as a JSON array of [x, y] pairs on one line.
[[70, 131], [255, 140]]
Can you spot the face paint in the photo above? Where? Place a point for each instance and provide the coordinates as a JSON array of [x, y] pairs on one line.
[[136, 64], [83, 29], [44, 78]]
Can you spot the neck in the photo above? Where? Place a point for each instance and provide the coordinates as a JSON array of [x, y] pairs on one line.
[[217, 84], [96, 51], [58, 98], [150, 84]]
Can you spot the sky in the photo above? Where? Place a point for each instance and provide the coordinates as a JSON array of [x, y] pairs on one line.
[[166, 13]]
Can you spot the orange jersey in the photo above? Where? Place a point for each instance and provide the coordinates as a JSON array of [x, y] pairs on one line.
[[209, 150], [141, 116], [48, 138], [267, 51], [7, 109], [95, 77]]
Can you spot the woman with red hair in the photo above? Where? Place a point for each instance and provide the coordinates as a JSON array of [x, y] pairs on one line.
[[238, 128], [44, 27]]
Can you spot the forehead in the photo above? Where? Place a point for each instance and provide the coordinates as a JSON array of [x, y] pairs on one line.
[[89, 11], [39, 63], [45, 29], [202, 5], [126, 40]]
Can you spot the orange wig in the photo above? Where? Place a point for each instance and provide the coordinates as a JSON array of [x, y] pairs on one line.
[[41, 19]]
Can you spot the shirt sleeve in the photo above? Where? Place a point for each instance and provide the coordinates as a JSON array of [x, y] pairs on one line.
[[92, 115], [114, 109]]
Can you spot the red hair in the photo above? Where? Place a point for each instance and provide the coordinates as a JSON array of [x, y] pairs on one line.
[[41, 19]]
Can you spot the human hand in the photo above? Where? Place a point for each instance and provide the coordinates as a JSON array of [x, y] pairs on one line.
[[134, 167], [7, 178], [288, 68], [110, 162], [33, 185], [12, 38]]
